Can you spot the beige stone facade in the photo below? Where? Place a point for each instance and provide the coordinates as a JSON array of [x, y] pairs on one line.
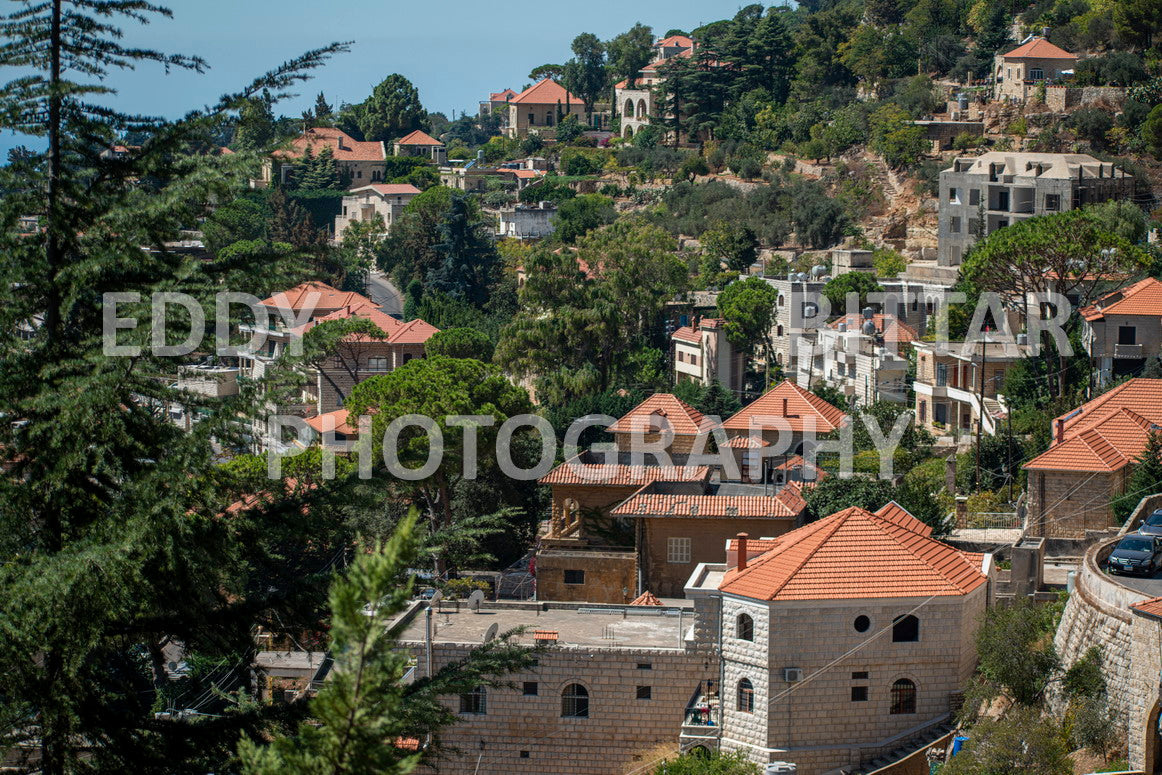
[[586, 575], [383, 200], [1065, 504], [958, 385]]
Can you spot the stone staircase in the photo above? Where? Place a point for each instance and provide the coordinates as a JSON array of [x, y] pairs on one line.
[[918, 742]]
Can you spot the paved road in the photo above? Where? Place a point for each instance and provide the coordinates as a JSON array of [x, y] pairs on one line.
[[1151, 585], [386, 295]]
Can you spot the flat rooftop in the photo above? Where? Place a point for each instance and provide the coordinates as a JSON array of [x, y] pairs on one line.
[[598, 626]]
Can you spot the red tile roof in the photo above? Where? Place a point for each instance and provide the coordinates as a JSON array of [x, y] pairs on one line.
[[656, 411], [1039, 48], [573, 471], [855, 554], [418, 137], [501, 96], [343, 146], [413, 332], [788, 504], [1142, 298], [1151, 607], [1107, 433], [646, 598], [888, 326], [801, 408], [545, 92], [675, 40], [337, 419], [747, 442], [328, 298], [687, 334], [653, 66]]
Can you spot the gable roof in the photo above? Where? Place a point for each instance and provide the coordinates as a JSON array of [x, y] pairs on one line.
[[855, 554], [787, 504], [674, 41], [343, 146], [545, 92], [413, 332], [501, 96], [576, 470], [337, 417], [1142, 298], [684, 419], [646, 598], [1039, 48], [687, 334], [1107, 433], [389, 189], [418, 137], [328, 298], [1151, 607], [800, 407]]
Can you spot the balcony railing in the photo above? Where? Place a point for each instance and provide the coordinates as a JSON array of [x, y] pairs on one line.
[[1128, 351], [702, 711]]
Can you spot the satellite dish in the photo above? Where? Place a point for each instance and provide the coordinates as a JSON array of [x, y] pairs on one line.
[[869, 312], [818, 270], [869, 327], [437, 596], [475, 599], [490, 633]]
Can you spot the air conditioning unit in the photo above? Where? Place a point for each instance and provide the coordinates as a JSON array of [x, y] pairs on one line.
[[792, 674], [780, 768]]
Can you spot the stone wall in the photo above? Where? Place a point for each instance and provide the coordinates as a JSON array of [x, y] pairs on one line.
[[1062, 99], [620, 728], [1098, 613], [610, 577], [1145, 662]]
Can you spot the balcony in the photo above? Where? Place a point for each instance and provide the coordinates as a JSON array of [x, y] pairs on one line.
[[1128, 351], [700, 722]]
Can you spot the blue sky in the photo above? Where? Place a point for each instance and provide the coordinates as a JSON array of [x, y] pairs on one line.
[[454, 51]]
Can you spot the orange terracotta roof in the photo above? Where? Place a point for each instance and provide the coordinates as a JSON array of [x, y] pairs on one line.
[[646, 598], [687, 334], [653, 66], [1142, 298], [888, 326], [898, 515], [747, 442], [656, 411], [328, 298], [855, 554], [754, 546], [675, 40], [621, 84], [1039, 48], [800, 408], [574, 471], [1107, 433], [418, 137], [343, 146], [526, 174], [545, 92], [788, 504], [413, 332], [337, 420], [501, 96], [389, 189], [1151, 607]]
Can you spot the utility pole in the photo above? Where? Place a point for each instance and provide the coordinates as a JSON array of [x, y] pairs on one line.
[[980, 405]]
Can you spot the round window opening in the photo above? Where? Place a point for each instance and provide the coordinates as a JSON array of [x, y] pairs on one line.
[[862, 623]]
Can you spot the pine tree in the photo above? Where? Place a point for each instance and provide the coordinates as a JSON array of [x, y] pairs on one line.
[[470, 259], [322, 173], [323, 110]]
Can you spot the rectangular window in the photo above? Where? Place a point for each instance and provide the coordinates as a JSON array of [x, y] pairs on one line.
[[1053, 202], [678, 550], [974, 196], [859, 675], [644, 666], [941, 375], [1127, 335], [574, 577], [953, 195], [974, 226], [475, 701], [532, 119], [530, 689], [643, 692], [859, 694], [377, 363], [954, 226], [1036, 74]]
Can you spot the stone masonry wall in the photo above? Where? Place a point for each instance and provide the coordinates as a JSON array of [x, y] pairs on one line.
[[620, 727], [1145, 664]]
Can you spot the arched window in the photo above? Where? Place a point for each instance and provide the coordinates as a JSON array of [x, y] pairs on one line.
[[641, 109], [780, 301], [905, 629], [779, 330], [903, 697], [745, 696], [629, 131], [744, 627], [575, 702], [629, 108]]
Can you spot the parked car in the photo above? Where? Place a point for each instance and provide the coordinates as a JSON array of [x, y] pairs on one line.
[[1135, 554], [1152, 525]]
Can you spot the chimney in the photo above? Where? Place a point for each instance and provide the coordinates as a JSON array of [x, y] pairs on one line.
[[1060, 435], [742, 550], [1045, 32]]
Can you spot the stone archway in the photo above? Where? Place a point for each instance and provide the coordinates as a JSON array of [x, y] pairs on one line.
[[1152, 747], [641, 109], [628, 113], [628, 132]]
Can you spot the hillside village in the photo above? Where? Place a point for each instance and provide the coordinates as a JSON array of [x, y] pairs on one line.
[[782, 395]]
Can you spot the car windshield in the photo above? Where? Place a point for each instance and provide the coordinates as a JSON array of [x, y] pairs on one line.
[[1154, 520], [1136, 545]]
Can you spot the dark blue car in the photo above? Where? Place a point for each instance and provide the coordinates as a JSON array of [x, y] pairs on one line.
[[1137, 554]]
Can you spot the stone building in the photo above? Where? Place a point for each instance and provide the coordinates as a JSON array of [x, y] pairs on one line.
[[359, 161], [386, 200], [863, 357], [539, 108], [1124, 328], [420, 143], [1145, 734], [1035, 63], [526, 221], [958, 384], [1090, 459], [704, 354], [843, 638], [980, 194], [635, 103]]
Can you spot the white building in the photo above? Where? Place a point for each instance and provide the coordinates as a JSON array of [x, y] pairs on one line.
[[861, 357], [703, 354], [526, 221], [387, 200]]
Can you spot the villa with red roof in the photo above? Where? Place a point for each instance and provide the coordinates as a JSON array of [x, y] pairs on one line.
[[1035, 62], [635, 102], [860, 627], [1124, 328], [385, 200], [420, 143], [787, 409], [1090, 459], [539, 108], [359, 161]]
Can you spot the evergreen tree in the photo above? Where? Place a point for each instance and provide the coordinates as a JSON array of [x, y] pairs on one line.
[[323, 110], [321, 173], [256, 128], [584, 74], [470, 260], [718, 401], [1146, 478]]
